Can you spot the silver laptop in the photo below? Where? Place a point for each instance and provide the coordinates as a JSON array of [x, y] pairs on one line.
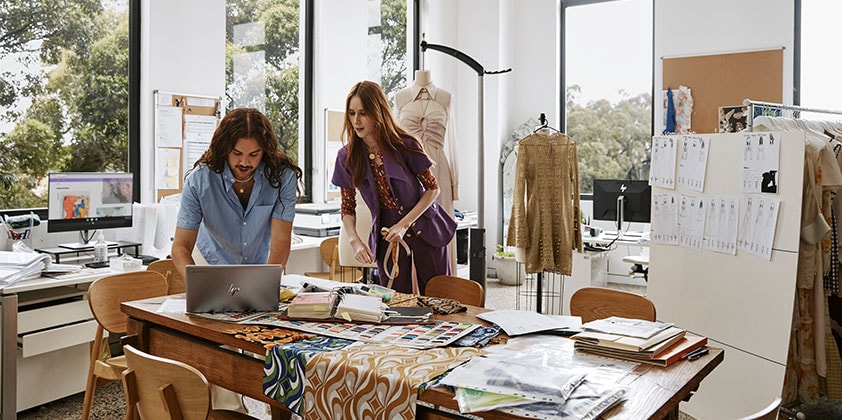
[[232, 288]]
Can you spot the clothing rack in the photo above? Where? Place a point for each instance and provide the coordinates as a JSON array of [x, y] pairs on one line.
[[753, 106], [476, 239]]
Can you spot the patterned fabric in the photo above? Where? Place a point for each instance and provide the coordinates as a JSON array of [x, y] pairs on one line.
[[403, 299], [545, 206], [371, 381], [384, 193], [442, 305], [268, 336], [284, 371], [831, 279]]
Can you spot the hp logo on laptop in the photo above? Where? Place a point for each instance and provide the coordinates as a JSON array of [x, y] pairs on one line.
[[232, 289], [623, 188]]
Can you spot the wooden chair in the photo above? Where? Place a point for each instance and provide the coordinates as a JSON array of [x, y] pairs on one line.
[[465, 291], [768, 413], [593, 303], [104, 297], [329, 248], [175, 284], [159, 388]]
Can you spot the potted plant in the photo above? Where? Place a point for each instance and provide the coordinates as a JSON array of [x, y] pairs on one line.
[[507, 266]]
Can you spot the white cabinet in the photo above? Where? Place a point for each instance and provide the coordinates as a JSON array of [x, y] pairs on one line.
[[47, 328]]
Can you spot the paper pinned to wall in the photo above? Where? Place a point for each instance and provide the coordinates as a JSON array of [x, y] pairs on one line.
[[167, 175], [168, 126]]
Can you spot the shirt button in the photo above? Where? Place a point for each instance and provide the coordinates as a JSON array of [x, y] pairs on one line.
[[245, 243], [245, 223]]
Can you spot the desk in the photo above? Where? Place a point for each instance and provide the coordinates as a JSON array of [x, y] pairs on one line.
[[653, 391], [51, 319]]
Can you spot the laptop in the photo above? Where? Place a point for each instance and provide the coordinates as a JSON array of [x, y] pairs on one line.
[[233, 288]]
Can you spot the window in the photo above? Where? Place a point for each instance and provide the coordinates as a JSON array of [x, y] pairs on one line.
[[353, 40], [607, 71], [64, 93], [819, 79]]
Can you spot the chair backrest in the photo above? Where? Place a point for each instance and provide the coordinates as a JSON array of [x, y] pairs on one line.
[[164, 389], [768, 413], [465, 291], [329, 248], [106, 294], [167, 268], [593, 303]]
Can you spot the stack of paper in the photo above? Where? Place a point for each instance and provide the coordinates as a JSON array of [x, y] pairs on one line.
[[17, 266], [637, 340], [317, 305], [353, 307]]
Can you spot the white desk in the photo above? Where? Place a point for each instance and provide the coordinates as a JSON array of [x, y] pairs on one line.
[[55, 325]]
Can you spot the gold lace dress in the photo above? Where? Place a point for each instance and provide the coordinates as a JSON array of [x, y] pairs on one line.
[[545, 220]]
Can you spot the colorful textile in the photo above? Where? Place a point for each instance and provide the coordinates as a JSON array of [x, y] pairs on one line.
[[268, 336], [284, 371], [373, 381]]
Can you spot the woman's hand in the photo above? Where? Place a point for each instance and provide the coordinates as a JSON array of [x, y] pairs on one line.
[[361, 251], [394, 233]]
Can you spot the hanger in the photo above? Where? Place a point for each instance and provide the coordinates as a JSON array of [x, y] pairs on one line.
[[544, 124]]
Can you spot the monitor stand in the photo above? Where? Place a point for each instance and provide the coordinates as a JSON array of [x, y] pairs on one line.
[[85, 242], [620, 208]]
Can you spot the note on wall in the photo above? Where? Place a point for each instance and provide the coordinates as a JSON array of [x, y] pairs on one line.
[[692, 162], [168, 168], [761, 157], [168, 126], [662, 168]]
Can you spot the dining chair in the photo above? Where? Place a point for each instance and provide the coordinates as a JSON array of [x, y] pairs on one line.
[[104, 298], [465, 291], [768, 413], [160, 388], [175, 284], [329, 249], [593, 303]]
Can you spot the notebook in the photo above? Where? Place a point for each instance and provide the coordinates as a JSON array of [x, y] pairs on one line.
[[233, 288]]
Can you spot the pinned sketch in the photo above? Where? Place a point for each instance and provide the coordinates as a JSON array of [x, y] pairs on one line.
[[692, 162], [665, 219], [691, 221], [721, 223], [758, 223], [662, 168], [761, 157]]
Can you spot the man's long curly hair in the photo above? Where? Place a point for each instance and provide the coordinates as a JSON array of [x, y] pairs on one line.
[[248, 123]]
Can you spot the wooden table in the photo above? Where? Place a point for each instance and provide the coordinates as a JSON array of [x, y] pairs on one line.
[[654, 392]]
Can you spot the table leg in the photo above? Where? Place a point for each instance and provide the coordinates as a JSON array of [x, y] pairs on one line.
[[8, 338]]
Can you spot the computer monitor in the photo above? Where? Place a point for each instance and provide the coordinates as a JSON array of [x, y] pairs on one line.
[[85, 201], [622, 201]]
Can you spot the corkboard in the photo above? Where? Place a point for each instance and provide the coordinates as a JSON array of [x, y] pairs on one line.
[[725, 80]]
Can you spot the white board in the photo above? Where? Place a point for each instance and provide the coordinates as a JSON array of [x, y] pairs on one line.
[[742, 303]]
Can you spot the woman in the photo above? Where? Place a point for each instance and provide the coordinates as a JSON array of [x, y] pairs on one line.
[[392, 172], [238, 201]]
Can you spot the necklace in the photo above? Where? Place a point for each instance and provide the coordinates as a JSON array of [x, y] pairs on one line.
[[237, 181]]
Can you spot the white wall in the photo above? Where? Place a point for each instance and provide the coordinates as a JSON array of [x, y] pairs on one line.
[[183, 51], [690, 28]]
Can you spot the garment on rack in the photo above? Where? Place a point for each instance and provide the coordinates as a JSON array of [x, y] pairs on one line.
[[426, 113], [545, 220]]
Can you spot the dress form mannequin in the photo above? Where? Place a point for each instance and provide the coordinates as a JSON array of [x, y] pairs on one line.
[[425, 110]]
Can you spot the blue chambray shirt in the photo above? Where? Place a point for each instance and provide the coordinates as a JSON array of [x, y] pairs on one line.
[[227, 233]]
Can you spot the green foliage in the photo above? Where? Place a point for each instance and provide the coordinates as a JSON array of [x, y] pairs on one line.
[[76, 83], [613, 139], [393, 34], [504, 251]]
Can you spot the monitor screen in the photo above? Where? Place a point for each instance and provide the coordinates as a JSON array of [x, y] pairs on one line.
[[81, 201], [637, 198]]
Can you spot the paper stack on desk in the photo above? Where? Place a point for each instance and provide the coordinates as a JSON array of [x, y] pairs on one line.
[[316, 305], [649, 342], [17, 266]]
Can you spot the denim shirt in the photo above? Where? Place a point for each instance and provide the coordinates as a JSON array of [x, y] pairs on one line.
[[228, 234]]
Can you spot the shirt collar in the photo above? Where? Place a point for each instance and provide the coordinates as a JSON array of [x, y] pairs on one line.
[[431, 88], [228, 176]]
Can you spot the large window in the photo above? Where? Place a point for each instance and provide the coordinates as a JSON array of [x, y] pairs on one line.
[[819, 42], [64, 93], [607, 68]]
